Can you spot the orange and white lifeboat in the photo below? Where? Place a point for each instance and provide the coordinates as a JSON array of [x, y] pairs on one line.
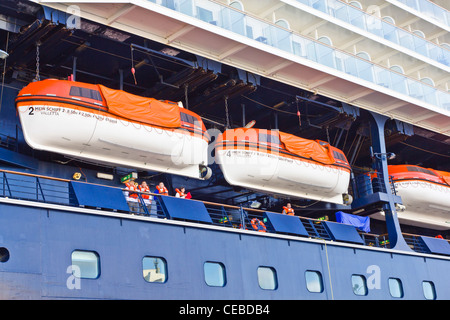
[[275, 162], [113, 127], [425, 194]]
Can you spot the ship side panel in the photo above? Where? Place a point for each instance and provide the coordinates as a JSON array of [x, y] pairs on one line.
[[41, 242], [20, 235]]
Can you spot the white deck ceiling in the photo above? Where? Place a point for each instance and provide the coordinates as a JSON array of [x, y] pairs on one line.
[[169, 27]]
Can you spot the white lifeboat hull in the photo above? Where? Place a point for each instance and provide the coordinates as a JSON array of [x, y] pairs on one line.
[[107, 139], [427, 204], [274, 173]]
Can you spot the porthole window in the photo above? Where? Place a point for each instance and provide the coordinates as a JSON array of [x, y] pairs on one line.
[[85, 264], [428, 290], [267, 278], [314, 281], [359, 285], [214, 273], [4, 254], [154, 269], [395, 288]]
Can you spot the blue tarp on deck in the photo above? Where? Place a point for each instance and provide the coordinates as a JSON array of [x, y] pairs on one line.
[[362, 223]]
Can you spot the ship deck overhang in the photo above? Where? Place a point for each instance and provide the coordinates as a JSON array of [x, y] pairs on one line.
[[169, 27]]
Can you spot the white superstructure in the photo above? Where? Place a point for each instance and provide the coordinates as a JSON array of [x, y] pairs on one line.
[[387, 56]]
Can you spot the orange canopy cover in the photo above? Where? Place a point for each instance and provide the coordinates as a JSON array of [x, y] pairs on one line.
[[306, 148], [445, 175], [142, 109]]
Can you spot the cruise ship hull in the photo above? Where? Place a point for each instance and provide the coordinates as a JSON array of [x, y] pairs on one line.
[[40, 239]]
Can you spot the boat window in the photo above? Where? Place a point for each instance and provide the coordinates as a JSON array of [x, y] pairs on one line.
[[395, 288], [359, 285], [419, 169], [214, 273], [85, 264], [154, 269], [268, 138], [267, 278], [189, 119], [4, 254], [339, 156], [85, 93], [428, 290], [314, 281]]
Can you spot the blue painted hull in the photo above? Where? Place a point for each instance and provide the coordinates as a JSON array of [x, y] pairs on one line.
[[40, 242]]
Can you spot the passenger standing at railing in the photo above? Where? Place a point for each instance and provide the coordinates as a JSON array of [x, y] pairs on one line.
[[288, 210], [146, 197], [162, 190], [131, 197], [181, 193]]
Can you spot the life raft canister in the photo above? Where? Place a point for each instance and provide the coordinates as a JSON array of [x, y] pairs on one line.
[[258, 225]]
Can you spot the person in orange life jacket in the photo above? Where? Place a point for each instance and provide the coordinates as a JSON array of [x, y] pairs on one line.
[[162, 190], [131, 197], [146, 197], [181, 193], [288, 210]]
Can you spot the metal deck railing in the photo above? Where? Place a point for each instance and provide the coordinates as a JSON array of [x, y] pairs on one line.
[[23, 186]]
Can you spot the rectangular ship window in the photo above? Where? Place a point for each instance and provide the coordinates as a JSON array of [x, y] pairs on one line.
[[395, 288], [429, 290], [267, 278], [154, 269], [85, 264], [214, 274], [314, 281], [359, 285]]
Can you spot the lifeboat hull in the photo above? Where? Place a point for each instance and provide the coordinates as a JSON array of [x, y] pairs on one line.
[[427, 204], [274, 173], [98, 136]]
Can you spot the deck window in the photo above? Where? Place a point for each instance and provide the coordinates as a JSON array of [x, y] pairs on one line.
[[85, 264], [314, 281], [395, 288], [428, 290], [214, 273], [154, 269], [267, 278], [85, 93], [418, 169], [359, 285]]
